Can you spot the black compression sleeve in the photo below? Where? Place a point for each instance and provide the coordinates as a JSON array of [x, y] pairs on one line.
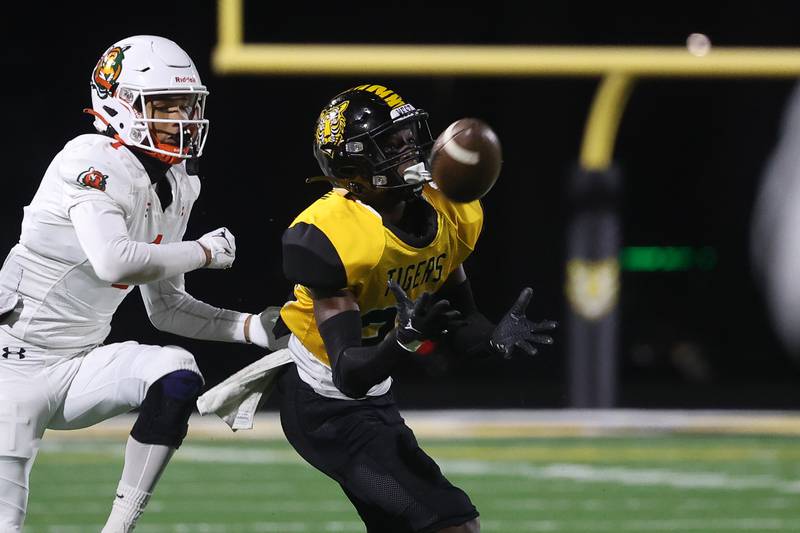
[[460, 297], [339, 332], [472, 339], [356, 368]]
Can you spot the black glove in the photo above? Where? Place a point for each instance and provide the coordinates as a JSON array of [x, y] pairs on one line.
[[419, 320], [515, 330]]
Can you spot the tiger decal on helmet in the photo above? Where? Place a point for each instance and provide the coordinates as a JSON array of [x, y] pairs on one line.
[[330, 126], [107, 72]]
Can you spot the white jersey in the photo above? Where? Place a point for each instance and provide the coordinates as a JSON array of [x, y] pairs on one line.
[[65, 306]]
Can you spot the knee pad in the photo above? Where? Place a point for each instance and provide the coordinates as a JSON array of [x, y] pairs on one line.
[[164, 413]]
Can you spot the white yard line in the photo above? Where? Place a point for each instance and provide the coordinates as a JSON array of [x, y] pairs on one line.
[[577, 472], [624, 476], [507, 424]]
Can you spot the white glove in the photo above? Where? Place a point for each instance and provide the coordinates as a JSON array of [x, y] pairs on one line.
[[220, 247], [260, 331]]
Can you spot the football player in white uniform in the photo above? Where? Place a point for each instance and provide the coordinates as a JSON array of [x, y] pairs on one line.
[[110, 213]]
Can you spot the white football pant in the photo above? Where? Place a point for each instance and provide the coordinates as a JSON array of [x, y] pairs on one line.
[[40, 391]]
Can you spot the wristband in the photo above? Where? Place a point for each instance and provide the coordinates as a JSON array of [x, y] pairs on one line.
[[410, 346]]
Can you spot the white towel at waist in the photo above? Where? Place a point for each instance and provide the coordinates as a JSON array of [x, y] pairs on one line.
[[237, 399]]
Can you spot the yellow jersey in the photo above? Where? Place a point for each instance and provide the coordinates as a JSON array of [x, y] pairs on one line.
[[340, 243]]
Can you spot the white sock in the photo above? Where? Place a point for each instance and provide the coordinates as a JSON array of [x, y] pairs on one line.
[[128, 505], [144, 464]]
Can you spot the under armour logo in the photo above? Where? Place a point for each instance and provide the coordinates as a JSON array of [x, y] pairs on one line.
[[20, 353]]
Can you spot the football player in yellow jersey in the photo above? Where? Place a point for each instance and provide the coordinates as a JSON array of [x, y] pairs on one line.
[[377, 264]]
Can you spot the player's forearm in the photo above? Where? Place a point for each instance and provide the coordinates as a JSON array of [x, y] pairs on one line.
[[175, 311], [356, 368], [135, 263], [471, 339], [362, 367], [115, 258]]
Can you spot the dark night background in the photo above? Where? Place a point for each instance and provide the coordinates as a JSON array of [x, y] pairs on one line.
[[690, 150]]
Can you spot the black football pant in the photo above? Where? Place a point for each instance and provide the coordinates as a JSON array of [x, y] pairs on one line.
[[367, 448]]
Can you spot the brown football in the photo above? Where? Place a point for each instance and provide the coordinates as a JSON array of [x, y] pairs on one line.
[[466, 160]]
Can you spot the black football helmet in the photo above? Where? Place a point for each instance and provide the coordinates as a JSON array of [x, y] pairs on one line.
[[370, 132]]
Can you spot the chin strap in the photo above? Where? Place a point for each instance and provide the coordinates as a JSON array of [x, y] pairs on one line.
[[415, 178], [349, 185], [330, 179], [164, 158], [110, 131]]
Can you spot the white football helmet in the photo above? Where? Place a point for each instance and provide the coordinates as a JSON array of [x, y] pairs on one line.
[[130, 77]]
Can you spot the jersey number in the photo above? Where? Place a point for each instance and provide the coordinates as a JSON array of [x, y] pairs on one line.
[[376, 324]]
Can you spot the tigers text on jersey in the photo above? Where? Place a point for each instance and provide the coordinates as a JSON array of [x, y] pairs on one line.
[[341, 243], [65, 305]]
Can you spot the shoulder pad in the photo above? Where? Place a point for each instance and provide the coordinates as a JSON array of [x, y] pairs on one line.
[[310, 259], [91, 168], [354, 231]]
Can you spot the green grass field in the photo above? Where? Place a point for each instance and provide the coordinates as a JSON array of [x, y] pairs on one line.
[[690, 483]]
